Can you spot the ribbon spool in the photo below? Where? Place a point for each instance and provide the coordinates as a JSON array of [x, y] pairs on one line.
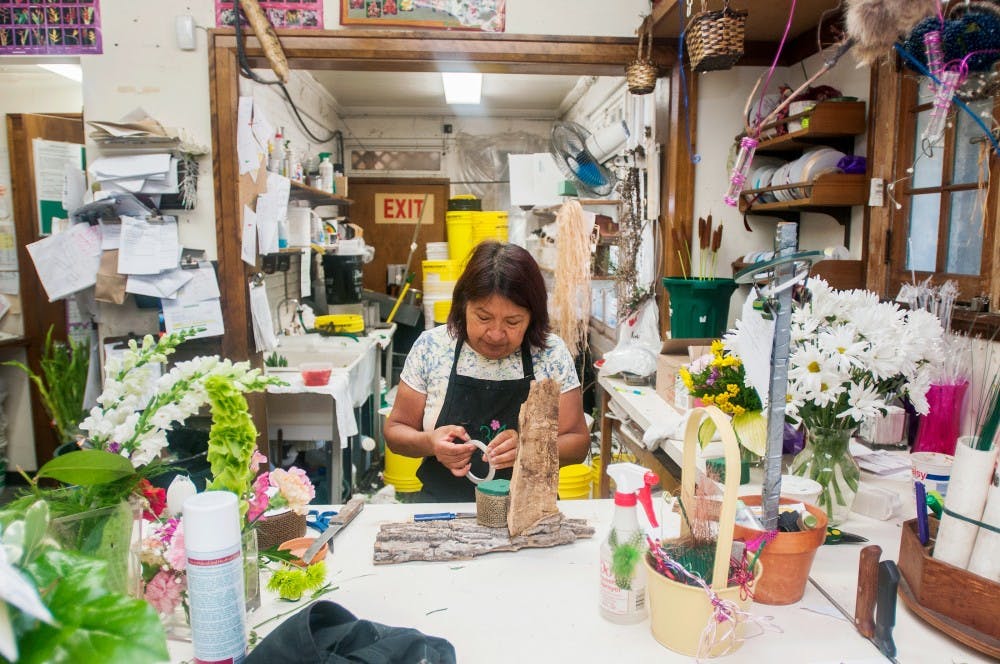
[[476, 480]]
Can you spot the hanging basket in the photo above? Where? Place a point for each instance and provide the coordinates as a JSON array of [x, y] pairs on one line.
[[641, 73], [714, 39]]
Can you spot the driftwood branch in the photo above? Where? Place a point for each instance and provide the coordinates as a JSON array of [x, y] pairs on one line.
[[463, 539], [535, 481]]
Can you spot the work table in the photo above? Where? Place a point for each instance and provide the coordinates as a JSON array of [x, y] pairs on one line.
[[540, 605]]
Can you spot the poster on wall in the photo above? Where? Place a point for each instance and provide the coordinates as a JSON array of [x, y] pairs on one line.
[[56, 164], [307, 14], [484, 15], [57, 27]]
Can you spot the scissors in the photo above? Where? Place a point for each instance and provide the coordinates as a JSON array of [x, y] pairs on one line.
[[319, 520], [838, 536]]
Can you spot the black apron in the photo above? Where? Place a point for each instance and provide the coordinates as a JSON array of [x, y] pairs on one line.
[[484, 408]]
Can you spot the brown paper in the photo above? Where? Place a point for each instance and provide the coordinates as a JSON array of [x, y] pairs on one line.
[[110, 286]]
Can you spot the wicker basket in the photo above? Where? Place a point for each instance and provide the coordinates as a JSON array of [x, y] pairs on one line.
[[715, 39], [273, 530], [641, 73]]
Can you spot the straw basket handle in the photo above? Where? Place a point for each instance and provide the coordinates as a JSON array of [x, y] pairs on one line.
[[645, 42], [727, 517]]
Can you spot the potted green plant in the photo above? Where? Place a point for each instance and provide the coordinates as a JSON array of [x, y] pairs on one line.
[[61, 384]]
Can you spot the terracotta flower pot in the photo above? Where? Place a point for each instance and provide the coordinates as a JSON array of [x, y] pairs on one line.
[[787, 558]]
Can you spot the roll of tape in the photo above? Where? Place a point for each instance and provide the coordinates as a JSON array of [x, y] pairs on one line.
[[476, 480]]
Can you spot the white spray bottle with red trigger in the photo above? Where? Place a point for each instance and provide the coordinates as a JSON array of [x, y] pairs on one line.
[[623, 572]]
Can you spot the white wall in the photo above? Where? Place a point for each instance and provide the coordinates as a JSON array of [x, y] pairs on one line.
[[25, 93]]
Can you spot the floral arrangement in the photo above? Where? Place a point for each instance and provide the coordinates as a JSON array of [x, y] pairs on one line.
[[851, 355], [719, 379], [162, 552]]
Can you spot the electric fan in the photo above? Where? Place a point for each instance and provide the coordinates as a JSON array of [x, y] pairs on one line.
[[581, 155]]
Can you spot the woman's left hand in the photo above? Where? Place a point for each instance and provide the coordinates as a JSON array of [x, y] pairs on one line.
[[502, 450]]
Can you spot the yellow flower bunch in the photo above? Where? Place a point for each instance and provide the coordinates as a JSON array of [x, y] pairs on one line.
[[721, 382]]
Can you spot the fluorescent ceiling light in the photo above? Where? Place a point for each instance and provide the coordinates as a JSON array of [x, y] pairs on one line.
[[72, 72], [462, 87]]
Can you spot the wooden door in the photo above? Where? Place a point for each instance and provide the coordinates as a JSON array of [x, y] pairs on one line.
[[387, 209], [38, 313]]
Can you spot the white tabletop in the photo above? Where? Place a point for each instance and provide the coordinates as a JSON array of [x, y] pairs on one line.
[[541, 604]]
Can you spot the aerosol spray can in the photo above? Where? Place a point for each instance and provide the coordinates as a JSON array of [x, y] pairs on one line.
[[215, 577]]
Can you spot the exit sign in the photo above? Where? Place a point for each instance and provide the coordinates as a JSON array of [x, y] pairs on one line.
[[403, 208]]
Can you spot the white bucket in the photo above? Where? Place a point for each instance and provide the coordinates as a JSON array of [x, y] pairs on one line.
[[800, 488], [933, 469]]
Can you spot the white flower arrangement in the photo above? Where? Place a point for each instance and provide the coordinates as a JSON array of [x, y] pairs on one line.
[[851, 355], [133, 416]]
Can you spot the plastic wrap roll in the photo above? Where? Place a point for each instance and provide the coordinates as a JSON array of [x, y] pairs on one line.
[[970, 482], [985, 560]]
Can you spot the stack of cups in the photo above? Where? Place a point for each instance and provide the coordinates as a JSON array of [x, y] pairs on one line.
[[437, 251]]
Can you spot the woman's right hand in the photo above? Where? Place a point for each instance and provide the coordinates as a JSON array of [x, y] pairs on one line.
[[452, 449]]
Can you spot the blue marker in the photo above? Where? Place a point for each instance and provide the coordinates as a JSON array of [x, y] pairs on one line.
[[923, 532]]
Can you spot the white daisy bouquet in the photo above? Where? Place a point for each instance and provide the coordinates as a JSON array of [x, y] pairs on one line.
[[852, 355]]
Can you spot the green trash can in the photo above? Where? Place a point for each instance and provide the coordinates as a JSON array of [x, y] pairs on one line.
[[699, 308]]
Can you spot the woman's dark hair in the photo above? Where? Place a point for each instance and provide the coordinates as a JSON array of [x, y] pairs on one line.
[[500, 268]]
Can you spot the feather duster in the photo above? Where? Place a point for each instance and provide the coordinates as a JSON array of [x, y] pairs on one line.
[[875, 25]]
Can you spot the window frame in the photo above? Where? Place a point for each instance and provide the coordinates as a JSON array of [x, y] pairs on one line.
[[898, 273]]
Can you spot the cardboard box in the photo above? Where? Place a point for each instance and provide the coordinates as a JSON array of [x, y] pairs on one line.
[[674, 354], [340, 185]]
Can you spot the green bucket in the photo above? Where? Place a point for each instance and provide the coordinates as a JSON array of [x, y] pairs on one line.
[[699, 308]]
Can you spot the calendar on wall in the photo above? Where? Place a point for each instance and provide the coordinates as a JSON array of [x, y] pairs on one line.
[[50, 27], [288, 14]]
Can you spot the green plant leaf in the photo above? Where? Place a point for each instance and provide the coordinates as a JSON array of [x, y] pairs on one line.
[[87, 468], [93, 625], [751, 430], [706, 431]]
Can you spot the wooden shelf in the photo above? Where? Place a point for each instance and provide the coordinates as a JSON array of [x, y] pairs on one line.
[[302, 192], [829, 190], [827, 120], [840, 274]]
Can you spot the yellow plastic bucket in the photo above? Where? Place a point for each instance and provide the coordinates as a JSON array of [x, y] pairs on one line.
[[440, 271], [441, 310], [401, 472], [460, 241], [490, 225], [574, 482]]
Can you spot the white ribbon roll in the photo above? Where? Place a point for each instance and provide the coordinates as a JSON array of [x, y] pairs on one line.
[[476, 480]]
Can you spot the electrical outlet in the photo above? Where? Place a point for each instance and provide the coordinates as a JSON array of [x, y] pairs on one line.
[[876, 193]]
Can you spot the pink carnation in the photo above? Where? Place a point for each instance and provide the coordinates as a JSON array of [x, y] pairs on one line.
[[164, 592], [294, 486], [175, 555]]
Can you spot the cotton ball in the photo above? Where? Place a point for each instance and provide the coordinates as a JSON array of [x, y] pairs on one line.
[[180, 489]]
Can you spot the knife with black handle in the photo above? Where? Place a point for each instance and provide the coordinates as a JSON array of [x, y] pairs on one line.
[[885, 607]]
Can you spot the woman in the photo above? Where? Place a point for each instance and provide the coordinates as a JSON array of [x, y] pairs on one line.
[[468, 379]]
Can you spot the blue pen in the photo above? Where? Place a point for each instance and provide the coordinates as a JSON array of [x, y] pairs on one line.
[[444, 516], [923, 532]]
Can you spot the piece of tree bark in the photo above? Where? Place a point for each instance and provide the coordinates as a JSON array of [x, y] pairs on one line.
[[267, 37], [535, 482], [463, 539]]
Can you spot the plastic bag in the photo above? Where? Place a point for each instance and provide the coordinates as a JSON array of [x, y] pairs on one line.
[[638, 344]]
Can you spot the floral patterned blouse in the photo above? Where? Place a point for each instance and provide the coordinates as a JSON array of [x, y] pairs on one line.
[[428, 366]]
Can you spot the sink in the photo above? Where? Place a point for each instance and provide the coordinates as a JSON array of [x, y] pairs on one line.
[[345, 355]]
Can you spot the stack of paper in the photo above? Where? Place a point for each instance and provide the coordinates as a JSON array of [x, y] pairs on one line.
[[138, 174], [136, 127]]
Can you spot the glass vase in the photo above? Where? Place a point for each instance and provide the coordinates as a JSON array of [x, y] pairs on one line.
[[108, 533], [251, 570], [938, 429], [827, 460]]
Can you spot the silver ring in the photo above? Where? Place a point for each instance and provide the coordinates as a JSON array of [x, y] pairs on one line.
[[476, 480]]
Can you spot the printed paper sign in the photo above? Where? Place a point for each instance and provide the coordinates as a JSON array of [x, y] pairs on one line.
[[403, 208]]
